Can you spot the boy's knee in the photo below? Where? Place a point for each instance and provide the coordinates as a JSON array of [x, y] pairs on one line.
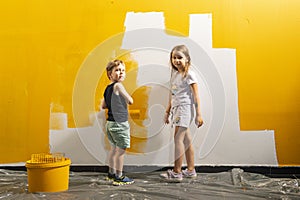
[[120, 151]]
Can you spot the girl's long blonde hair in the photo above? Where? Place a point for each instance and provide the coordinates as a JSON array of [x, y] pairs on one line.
[[185, 51]]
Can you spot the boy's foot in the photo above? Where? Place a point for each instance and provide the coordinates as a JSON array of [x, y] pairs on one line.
[[171, 176], [123, 180], [110, 177], [189, 174]]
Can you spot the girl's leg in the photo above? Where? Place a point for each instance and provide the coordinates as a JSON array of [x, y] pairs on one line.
[[189, 150], [179, 136], [119, 160]]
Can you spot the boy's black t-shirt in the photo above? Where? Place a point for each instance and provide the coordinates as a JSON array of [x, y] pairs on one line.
[[116, 104]]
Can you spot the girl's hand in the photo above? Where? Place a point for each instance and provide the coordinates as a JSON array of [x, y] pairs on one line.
[[166, 118], [198, 121]]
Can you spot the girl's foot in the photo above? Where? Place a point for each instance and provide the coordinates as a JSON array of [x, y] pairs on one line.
[[171, 176], [189, 174]]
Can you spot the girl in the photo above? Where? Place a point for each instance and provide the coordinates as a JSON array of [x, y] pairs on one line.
[[183, 97]]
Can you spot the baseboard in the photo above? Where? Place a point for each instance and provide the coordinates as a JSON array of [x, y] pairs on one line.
[[273, 172]]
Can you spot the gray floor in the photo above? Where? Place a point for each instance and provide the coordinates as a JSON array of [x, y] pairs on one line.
[[233, 184]]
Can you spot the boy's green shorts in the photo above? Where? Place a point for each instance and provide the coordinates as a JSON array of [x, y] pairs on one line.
[[118, 134]]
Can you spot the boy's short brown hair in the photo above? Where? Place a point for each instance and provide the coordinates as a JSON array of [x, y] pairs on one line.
[[111, 65]]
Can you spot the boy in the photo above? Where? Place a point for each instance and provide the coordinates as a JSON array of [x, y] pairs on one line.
[[116, 100]]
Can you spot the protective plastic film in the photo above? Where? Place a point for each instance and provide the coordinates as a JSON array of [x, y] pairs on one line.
[[233, 184]]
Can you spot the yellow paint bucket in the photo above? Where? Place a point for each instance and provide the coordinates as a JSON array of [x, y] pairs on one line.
[[48, 173]]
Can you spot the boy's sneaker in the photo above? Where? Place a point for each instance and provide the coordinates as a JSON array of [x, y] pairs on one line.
[[110, 177], [171, 176], [123, 180], [189, 174]]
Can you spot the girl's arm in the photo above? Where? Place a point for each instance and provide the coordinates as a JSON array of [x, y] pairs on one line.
[[168, 109], [119, 88], [198, 119]]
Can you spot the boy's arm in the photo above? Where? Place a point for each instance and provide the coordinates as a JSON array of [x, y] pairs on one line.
[[103, 104], [198, 119], [121, 89]]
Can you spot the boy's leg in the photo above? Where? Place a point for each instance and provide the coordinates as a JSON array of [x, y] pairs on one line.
[[111, 160], [179, 136], [111, 153], [120, 178], [119, 160]]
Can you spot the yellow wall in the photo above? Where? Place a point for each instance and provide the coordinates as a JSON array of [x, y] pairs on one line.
[[43, 44]]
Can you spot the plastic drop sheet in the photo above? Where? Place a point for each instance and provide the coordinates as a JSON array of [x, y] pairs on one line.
[[233, 184]]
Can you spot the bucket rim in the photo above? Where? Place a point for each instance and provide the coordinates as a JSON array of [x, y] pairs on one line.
[[66, 162]]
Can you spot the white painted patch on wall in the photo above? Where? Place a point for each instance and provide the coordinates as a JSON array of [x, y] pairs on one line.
[[218, 142], [144, 20]]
